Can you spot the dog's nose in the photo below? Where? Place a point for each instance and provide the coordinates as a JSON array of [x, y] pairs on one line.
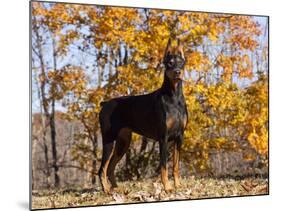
[[178, 72]]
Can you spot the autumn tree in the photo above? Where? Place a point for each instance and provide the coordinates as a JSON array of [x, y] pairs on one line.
[[47, 24], [225, 88]]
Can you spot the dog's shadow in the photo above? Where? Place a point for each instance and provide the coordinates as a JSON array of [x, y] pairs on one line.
[[75, 191]]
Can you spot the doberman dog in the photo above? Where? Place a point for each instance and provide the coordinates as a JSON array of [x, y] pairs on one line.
[[160, 115]]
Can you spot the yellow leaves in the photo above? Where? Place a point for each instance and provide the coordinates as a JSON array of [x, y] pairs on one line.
[[212, 36], [37, 9], [218, 142], [73, 107], [240, 64], [65, 40], [200, 88], [133, 80], [185, 22], [135, 137], [87, 114], [194, 60], [162, 29], [256, 121], [197, 61], [246, 73], [68, 79], [226, 63], [245, 67], [244, 31], [221, 116], [214, 30], [116, 25], [259, 140], [51, 74], [216, 47]]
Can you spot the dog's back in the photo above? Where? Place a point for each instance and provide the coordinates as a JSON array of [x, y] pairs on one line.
[[134, 112]]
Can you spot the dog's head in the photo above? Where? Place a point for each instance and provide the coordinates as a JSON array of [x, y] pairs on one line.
[[174, 62]]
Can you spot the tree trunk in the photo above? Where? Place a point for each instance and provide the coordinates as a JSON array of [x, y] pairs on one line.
[[54, 145], [43, 102], [53, 125], [94, 161]]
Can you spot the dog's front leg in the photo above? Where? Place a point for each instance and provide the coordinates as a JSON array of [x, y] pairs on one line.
[[164, 164], [176, 156]]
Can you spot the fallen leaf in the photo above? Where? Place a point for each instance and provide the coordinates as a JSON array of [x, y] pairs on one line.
[[247, 188], [118, 198]]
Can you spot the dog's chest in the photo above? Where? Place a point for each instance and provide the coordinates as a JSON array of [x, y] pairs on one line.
[[176, 116]]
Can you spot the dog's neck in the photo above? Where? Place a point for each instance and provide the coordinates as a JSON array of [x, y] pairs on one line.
[[171, 88]]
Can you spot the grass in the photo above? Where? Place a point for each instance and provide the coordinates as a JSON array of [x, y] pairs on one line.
[[148, 191]]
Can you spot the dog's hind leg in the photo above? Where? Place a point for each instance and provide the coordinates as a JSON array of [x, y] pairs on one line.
[[106, 157], [122, 144], [108, 137]]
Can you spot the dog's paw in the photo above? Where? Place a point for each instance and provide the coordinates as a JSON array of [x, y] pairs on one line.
[[168, 188], [177, 184]]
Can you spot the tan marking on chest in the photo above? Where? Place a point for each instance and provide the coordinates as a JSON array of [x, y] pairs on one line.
[[170, 122]]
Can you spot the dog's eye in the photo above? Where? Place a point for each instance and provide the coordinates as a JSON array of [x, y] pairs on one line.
[[179, 60], [181, 63]]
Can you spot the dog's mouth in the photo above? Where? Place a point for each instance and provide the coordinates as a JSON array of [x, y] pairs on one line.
[[178, 79]]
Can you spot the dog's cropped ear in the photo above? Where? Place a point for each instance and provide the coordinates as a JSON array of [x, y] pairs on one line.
[[167, 49], [180, 48], [167, 56]]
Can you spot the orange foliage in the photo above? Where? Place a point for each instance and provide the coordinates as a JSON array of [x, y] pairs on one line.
[[217, 47]]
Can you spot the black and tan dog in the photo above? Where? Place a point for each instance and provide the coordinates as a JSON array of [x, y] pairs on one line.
[[160, 115]]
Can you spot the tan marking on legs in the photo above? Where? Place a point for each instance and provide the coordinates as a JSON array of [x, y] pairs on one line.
[[110, 170], [121, 146], [165, 180], [176, 166], [104, 180]]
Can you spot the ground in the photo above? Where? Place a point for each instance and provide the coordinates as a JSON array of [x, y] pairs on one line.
[[149, 191]]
